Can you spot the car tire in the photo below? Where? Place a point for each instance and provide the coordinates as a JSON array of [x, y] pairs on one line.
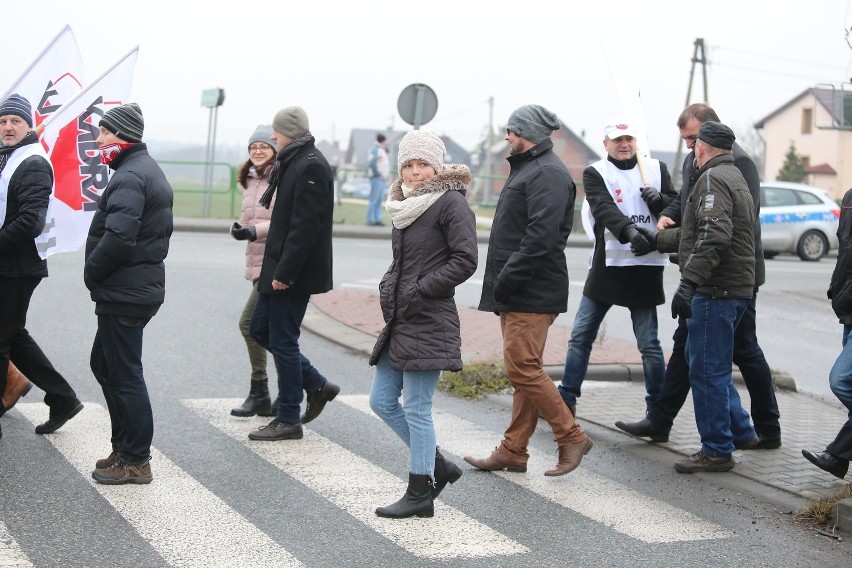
[[769, 255], [812, 246]]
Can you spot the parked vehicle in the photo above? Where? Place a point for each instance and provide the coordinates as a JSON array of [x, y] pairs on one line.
[[797, 218]]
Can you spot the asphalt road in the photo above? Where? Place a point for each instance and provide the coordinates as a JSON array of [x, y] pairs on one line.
[[220, 500]]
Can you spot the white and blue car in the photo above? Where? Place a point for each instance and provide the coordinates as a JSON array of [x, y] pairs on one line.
[[797, 218]]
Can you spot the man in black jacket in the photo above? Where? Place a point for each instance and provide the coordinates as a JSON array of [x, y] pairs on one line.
[[296, 264], [127, 243], [620, 201], [526, 284], [837, 455], [748, 356], [26, 182]]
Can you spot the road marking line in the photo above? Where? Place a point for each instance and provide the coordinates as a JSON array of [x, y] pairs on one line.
[[357, 486], [11, 555], [183, 521], [599, 498]]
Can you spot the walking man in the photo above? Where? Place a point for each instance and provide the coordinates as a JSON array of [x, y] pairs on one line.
[[126, 276], [526, 284], [379, 173], [296, 264]]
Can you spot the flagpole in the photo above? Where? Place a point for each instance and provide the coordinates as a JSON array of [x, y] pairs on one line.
[[82, 93], [35, 61]]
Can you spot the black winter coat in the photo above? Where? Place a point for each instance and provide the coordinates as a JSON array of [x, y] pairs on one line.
[[26, 212], [840, 290], [431, 256], [526, 269], [748, 169], [298, 246], [129, 237], [629, 286]]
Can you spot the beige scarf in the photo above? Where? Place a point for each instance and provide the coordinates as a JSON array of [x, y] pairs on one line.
[[405, 204]]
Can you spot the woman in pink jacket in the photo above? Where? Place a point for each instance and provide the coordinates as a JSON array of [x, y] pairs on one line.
[[252, 227]]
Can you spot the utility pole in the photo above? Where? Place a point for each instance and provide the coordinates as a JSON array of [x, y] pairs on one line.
[[698, 56], [487, 166]]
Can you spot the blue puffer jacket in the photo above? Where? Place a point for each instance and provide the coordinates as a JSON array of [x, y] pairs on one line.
[[129, 238]]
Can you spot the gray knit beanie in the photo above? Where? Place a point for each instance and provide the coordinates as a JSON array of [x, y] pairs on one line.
[[292, 122], [421, 145], [533, 122], [18, 106], [263, 133], [125, 121]]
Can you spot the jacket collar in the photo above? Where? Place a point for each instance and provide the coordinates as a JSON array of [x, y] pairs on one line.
[[532, 153], [715, 161], [126, 153]]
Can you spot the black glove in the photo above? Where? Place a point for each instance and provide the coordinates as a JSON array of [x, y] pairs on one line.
[[654, 199], [639, 243], [243, 233], [652, 239], [682, 300]]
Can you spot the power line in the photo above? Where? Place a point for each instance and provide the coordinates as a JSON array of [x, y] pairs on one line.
[[777, 58], [768, 72]]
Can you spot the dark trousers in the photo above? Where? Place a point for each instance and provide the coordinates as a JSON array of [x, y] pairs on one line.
[[116, 362], [275, 325], [748, 356], [17, 345]]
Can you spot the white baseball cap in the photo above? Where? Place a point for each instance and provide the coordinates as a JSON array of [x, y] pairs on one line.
[[617, 127]]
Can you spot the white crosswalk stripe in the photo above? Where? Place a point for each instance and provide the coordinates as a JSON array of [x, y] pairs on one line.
[[594, 496], [357, 486], [11, 555], [175, 513]]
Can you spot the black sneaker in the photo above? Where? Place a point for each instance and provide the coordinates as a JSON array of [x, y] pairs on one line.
[[277, 430], [58, 420]]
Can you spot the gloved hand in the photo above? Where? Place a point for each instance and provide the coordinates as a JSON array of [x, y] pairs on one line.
[[242, 233], [682, 300], [652, 239], [654, 199], [639, 243]]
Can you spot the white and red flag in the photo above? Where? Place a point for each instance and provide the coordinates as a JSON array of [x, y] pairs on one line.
[[69, 136]]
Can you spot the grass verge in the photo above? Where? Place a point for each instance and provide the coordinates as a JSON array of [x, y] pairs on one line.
[[475, 380], [819, 513]]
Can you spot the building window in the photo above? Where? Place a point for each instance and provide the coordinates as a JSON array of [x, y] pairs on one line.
[[807, 120], [806, 161]]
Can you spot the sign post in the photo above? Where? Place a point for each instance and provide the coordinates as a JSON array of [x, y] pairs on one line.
[[212, 99], [417, 104]]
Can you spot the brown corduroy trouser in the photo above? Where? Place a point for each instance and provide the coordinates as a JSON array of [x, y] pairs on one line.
[[524, 336]]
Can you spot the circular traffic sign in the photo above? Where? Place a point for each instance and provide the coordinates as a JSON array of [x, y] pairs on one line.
[[417, 104]]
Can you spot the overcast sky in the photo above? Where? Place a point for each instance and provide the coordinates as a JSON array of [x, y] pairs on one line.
[[346, 62]]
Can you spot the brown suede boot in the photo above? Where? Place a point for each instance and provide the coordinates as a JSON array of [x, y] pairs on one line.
[[498, 461], [17, 385], [570, 456]]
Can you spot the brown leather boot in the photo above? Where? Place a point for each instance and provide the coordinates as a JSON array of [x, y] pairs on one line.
[[498, 461], [17, 385], [570, 456]]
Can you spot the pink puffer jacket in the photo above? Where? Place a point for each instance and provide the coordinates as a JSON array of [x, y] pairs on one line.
[[255, 214]]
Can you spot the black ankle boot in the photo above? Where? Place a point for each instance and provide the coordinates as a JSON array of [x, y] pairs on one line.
[[258, 401], [445, 472], [416, 501]]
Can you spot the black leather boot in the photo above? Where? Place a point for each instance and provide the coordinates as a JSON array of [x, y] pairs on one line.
[[416, 501], [445, 472], [258, 401]]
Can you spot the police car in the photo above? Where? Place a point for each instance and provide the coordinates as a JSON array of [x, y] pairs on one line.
[[797, 218]]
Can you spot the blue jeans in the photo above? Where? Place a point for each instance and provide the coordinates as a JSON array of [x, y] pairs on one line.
[[377, 192], [587, 322], [719, 413], [840, 381], [275, 325], [412, 420], [116, 362]]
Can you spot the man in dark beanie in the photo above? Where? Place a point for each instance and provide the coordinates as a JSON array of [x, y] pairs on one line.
[[715, 247], [526, 284], [26, 182], [296, 264], [125, 273]]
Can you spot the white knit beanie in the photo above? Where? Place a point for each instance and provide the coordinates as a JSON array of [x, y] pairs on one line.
[[421, 145]]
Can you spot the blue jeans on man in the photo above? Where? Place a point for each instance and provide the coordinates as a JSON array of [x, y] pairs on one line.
[[374, 207], [587, 322], [840, 381], [116, 363], [276, 325], [719, 414], [411, 420]]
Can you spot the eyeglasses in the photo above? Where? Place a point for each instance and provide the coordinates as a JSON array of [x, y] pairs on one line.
[[259, 148]]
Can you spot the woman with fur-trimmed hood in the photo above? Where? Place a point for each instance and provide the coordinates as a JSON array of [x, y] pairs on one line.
[[434, 250]]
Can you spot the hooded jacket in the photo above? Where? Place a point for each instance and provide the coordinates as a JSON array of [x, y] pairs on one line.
[[525, 270], [431, 256], [129, 237]]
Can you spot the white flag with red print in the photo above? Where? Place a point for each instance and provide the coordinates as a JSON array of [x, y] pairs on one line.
[[69, 137]]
